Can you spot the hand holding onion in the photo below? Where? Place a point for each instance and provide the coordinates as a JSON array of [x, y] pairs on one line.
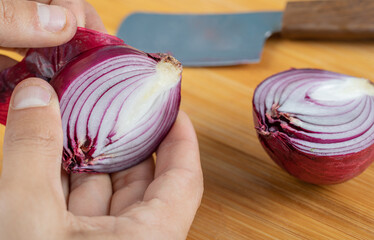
[[146, 200], [117, 103]]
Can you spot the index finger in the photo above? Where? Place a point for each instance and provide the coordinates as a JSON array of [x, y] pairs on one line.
[[176, 191], [178, 167]]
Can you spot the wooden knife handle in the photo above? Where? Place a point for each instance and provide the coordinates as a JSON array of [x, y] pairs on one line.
[[335, 19]]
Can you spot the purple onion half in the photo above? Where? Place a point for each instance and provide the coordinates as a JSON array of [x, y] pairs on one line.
[[315, 124], [117, 103]]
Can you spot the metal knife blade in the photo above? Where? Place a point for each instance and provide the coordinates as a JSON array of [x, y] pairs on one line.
[[202, 39]]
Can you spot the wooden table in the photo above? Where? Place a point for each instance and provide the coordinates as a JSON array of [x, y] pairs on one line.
[[246, 195]]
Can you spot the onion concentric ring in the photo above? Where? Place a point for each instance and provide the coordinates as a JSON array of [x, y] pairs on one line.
[[317, 125], [117, 102], [116, 107]]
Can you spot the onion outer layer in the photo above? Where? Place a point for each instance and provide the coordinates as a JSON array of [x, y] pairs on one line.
[[315, 124]]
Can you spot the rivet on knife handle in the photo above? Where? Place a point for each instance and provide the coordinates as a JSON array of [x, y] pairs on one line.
[[337, 19]]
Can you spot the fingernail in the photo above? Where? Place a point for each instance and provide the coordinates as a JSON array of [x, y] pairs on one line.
[[51, 18], [31, 96]]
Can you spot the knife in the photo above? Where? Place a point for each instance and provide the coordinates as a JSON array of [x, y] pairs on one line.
[[230, 39]]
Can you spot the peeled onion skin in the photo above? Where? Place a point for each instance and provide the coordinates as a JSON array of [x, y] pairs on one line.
[[45, 62], [279, 131]]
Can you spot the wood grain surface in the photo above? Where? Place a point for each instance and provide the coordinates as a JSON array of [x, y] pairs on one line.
[[247, 196]]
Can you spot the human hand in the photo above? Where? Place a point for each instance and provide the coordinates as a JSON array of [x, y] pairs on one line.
[[44, 23], [21, 27], [39, 201]]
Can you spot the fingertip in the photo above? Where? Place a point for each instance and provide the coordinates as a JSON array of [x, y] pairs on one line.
[[180, 148], [51, 18], [57, 19], [34, 107], [184, 121], [76, 8], [71, 25], [33, 92], [182, 130], [182, 116], [66, 33]]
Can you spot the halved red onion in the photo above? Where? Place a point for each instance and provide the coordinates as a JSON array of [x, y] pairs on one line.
[[117, 103], [317, 125]]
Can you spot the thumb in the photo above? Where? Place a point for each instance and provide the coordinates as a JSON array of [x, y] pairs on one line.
[[26, 24], [32, 146]]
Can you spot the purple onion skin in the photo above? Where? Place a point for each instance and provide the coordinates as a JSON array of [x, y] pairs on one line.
[[61, 66], [322, 170], [306, 166], [45, 62]]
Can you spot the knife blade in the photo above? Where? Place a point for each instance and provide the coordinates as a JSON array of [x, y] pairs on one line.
[[230, 39]]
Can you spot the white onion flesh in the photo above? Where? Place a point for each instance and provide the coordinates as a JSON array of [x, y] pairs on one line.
[[333, 112]]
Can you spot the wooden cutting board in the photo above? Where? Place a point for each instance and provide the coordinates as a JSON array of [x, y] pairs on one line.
[[246, 195]]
